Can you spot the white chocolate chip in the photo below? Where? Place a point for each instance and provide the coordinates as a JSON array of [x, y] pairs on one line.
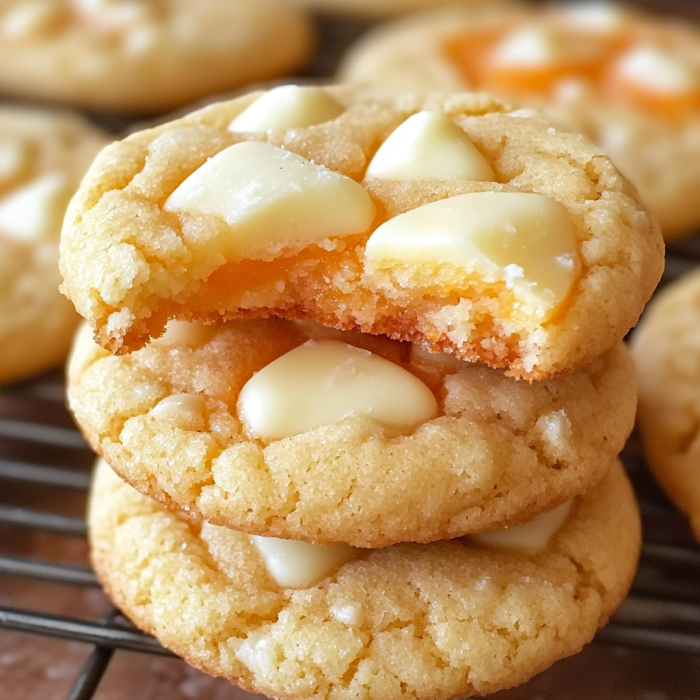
[[185, 334], [35, 211], [141, 38], [598, 16], [324, 382], [349, 614], [30, 19], [272, 199], [530, 537], [13, 158], [525, 240], [429, 145], [288, 107], [530, 46], [556, 428], [298, 564], [185, 407], [657, 70]]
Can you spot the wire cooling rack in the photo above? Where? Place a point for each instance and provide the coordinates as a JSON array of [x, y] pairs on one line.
[[40, 449]]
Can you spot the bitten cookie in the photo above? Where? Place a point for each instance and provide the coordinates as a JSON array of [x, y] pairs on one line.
[[444, 220], [144, 56], [348, 438], [666, 350], [43, 156], [437, 621], [629, 81]]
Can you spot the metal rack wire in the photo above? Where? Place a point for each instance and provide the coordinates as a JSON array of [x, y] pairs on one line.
[[664, 598]]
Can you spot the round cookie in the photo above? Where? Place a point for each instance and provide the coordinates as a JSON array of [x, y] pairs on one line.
[[43, 156], [437, 621], [544, 258], [666, 351], [145, 56], [371, 8], [173, 419], [629, 81]]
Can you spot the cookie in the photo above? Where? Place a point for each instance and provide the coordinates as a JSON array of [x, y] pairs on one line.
[[629, 81], [140, 56], [666, 351], [43, 156], [370, 8], [437, 621], [323, 204], [347, 438]]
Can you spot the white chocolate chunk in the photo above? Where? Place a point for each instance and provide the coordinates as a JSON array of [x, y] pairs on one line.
[[184, 406], [530, 46], [525, 240], [324, 382], [531, 537], [35, 211], [288, 107], [186, 334], [13, 158], [598, 16], [272, 199], [429, 145], [657, 70], [298, 564], [30, 19]]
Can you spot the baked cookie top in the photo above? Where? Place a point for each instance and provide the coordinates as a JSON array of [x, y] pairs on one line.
[[666, 351], [43, 156], [249, 425], [444, 620], [450, 221], [628, 80], [141, 56]]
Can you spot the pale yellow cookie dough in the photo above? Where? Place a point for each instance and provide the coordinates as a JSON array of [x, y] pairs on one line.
[[145, 56], [429, 622], [168, 419], [666, 350], [168, 220], [43, 156], [650, 131]]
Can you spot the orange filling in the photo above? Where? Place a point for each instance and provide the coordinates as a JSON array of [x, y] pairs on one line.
[[472, 54]]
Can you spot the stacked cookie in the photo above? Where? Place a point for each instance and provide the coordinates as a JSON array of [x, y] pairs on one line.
[[315, 509]]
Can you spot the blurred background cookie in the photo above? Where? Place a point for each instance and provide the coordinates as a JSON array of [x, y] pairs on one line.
[[43, 156], [666, 350], [372, 8], [629, 80], [145, 56]]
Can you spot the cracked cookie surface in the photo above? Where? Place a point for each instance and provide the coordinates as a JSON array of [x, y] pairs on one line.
[[437, 621], [498, 452], [628, 80], [141, 244], [43, 156], [145, 56], [666, 351]]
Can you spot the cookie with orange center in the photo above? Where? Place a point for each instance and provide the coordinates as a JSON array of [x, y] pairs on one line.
[[145, 56], [43, 156], [444, 220], [666, 351], [290, 429], [629, 81], [435, 621]]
